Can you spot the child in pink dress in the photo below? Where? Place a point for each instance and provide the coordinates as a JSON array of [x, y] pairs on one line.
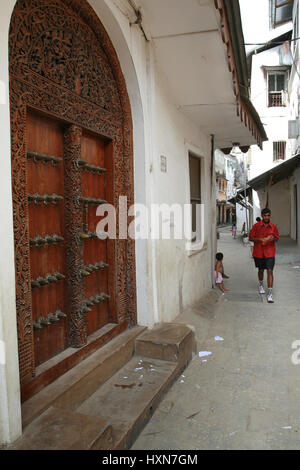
[[234, 230], [219, 273]]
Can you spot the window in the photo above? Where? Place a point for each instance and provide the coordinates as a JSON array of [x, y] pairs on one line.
[[195, 186], [279, 150], [281, 12], [276, 89]]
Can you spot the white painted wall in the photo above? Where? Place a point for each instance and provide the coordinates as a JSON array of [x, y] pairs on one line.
[[241, 218], [280, 205], [170, 270], [294, 83], [10, 409], [295, 219]]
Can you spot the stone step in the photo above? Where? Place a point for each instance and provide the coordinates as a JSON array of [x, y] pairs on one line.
[[105, 401], [128, 399], [76, 385], [58, 429], [169, 341]]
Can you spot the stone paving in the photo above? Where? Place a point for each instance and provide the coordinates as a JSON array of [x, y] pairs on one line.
[[246, 393]]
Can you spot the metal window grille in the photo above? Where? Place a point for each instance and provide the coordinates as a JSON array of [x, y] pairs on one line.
[[275, 99], [279, 151]]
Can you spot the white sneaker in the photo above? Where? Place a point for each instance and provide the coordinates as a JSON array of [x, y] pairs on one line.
[[261, 289], [270, 299]]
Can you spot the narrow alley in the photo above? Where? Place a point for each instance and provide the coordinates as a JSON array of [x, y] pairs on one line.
[[241, 391]]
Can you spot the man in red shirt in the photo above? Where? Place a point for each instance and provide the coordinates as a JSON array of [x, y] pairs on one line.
[[264, 234]]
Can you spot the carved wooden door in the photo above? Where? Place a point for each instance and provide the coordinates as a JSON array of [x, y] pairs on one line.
[[57, 283], [71, 140]]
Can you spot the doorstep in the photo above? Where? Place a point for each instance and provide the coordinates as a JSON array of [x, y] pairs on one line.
[[105, 401]]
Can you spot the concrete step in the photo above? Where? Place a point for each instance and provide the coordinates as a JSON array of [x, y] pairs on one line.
[[58, 429], [128, 399], [76, 385], [105, 401], [169, 341]]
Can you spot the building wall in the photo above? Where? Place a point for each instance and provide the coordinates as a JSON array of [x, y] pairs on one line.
[[294, 82], [295, 207], [169, 133], [174, 137], [275, 119], [279, 203], [241, 218]]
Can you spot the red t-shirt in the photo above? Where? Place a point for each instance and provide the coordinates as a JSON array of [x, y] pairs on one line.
[[260, 230]]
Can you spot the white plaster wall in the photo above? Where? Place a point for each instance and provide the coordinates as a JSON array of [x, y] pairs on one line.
[[176, 270], [256, 206], [241, 218], [170, 271], [134, 59], [280, 205], [295, 180], [10, 410]]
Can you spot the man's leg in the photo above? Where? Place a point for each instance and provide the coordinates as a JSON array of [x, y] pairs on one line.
[[270, 278], [260, 275], [270, 266], [261, 281]]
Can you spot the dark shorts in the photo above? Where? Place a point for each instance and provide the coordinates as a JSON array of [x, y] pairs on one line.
[[264, 263]]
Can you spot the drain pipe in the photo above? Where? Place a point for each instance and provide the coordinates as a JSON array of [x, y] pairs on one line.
[[139, 18], [213, 223]]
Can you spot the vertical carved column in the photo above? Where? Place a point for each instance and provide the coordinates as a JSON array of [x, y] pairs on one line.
[[21, 235], [74, 245]]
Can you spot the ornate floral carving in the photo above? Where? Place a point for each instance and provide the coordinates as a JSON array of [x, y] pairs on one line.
[[73, 227], [62, 62]]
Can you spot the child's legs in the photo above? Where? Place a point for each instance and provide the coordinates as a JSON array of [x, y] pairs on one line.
[[222, 287]]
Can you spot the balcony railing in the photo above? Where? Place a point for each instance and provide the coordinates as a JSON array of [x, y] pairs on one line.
[[276, 99]]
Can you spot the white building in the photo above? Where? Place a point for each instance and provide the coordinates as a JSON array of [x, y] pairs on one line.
[[150, 88], [225, 167], [274, 61]]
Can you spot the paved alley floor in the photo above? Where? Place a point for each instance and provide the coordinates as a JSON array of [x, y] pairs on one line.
[[242, 390]]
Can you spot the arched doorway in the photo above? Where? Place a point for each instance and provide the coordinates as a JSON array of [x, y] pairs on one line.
[[71, 150]]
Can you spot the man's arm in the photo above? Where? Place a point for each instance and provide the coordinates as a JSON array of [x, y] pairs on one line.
[[252, 235], [275, 235]]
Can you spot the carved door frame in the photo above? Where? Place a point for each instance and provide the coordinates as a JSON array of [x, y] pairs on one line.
[[98, 104]]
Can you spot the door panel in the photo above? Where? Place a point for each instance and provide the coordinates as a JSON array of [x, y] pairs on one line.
[[46, 219], [50, 311], [94, 185]]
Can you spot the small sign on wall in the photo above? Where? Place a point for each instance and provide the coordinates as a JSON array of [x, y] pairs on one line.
[[163, 164]]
